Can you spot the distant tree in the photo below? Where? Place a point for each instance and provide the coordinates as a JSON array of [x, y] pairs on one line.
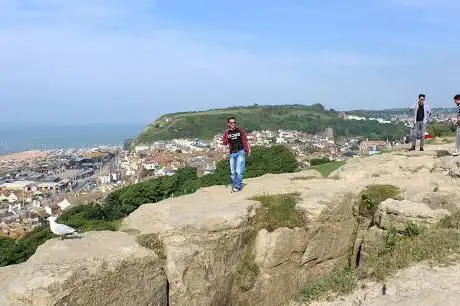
[[439, 129], [317, 106]]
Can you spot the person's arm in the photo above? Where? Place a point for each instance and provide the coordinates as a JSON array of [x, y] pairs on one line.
[[244, 139], [458, 115], [225, 138]]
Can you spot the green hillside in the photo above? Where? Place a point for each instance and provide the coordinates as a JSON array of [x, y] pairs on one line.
[[311, 119]]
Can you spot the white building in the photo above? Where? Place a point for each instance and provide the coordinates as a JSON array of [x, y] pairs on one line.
[[64, 204]]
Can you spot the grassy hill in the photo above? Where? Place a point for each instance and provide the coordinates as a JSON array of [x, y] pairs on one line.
[[312, 119]]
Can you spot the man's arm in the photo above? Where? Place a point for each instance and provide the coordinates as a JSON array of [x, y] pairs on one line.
[[244, 139], [458, 115], [225, 138]]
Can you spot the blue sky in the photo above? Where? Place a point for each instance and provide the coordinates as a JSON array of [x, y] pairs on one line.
[[130, 61]]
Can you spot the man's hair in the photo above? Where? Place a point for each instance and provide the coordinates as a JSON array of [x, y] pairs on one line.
[[457, 97], [230, 118], [421, 96]]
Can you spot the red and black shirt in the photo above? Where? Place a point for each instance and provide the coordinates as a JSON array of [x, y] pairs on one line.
[[236, 140]]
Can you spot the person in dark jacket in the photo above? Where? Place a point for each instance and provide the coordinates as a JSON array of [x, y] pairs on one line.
[[237, 142]]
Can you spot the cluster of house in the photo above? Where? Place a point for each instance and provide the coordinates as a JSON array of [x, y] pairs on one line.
[[166, 157], [20, 214], [50, 182], [439, 115], [361, 118]]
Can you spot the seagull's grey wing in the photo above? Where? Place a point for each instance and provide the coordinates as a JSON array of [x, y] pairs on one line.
[[63, 229]]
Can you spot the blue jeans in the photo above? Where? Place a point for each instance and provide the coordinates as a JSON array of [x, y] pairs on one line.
[[237, 164]]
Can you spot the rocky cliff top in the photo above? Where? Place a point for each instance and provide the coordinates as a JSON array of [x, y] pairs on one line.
[[204, 248]]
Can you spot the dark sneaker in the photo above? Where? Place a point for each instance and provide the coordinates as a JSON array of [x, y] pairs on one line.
[[421, 149], [412, 149]]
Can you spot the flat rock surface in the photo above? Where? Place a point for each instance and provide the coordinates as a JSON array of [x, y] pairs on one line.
[[216, 208]]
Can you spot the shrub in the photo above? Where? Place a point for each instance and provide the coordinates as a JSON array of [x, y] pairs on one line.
[[373, 195], [439, 129]]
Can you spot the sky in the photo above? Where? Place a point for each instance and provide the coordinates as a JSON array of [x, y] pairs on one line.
[[116, 61]]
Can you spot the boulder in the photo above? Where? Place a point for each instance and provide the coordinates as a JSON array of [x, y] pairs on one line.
[[397, 214], [102, 268]]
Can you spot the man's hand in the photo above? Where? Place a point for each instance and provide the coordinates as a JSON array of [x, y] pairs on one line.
[[224, 156]]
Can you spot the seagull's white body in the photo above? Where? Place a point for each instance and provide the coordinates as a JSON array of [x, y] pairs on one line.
[[60, 229]]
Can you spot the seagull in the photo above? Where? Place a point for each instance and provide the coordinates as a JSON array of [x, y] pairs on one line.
[[61, 229]]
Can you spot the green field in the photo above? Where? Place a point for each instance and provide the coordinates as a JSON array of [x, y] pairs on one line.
[[311, 119]]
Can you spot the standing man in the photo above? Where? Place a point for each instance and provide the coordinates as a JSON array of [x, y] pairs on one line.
[[422, 112], [457, 138], [235, 138]]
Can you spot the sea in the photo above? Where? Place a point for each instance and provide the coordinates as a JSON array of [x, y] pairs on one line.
[[23, 137]]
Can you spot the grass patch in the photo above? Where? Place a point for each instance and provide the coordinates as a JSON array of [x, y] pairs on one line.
[[328, 168], [400, 250], [373, 195], [304, 178], [277, 211], [450, 222], [312, 177], [335, 283], [153, 242]]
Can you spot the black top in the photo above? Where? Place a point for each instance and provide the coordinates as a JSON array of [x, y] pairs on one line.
[[420, 113], [235, 140]]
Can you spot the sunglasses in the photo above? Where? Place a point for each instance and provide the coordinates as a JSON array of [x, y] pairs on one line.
[[232, 122]]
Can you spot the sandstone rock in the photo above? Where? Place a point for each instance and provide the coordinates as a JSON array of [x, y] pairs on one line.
[[397, 214], [449, 165], [102, 268], [273, 249], [206, 234]]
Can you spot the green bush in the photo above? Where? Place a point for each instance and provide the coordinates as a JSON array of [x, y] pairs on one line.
[[440, 129], [17, 251], [263, 160]]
